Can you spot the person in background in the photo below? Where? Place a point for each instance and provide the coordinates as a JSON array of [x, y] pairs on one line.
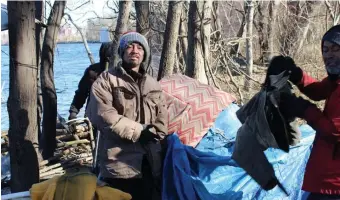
[[90, 75], [128, 107], [322, 176]]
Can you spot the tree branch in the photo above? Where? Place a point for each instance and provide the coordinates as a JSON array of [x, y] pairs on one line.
[[89, 54], [79, 6]]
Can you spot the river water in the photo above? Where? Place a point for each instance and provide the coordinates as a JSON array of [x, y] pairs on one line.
[[70, 62]]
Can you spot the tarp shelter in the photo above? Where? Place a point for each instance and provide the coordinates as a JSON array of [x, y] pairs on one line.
[[209, 172], [192, 106]]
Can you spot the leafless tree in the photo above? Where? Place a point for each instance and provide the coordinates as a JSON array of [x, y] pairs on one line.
[[333, 8], [39, 14], [196, 66], [121, 27], [142, 14], [47, 80], [167, 63], [249, 39], [22, 100], [273, 6]]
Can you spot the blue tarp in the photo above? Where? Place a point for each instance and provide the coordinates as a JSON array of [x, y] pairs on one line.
[[209, 173]]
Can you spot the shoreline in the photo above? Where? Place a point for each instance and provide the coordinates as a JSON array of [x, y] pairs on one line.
[[65, 42]]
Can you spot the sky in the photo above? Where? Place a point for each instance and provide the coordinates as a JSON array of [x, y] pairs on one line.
[[89, 10]]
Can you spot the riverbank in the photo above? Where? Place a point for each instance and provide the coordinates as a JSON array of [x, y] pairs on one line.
[[64, 42]]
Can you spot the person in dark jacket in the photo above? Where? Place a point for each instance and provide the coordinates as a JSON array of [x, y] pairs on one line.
[[90, 75], [322, 176]]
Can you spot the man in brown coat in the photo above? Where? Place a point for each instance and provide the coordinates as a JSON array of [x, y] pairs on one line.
[[128, 107]]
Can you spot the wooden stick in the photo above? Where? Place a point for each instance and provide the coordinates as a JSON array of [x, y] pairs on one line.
[[45, 162], [65, 144], [71, 137], [50, 167], [60, 169]]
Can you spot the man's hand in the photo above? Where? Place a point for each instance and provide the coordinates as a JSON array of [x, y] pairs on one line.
[[72, 116], [148, 136]]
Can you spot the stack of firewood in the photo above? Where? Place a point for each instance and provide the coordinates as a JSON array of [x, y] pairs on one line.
[[74, 149]]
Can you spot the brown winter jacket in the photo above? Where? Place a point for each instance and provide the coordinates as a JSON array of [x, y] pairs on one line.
[[118, 107]]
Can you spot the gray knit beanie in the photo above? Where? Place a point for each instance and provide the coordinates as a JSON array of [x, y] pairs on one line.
[[131, 37]]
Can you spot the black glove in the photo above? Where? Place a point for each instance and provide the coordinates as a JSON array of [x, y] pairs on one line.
[[147, 135], [72, 116], [280, 64], [293, 106]]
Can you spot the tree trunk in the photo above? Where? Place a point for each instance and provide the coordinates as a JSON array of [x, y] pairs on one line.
[[249, 40], [47, 79], [262, 32], [235, 48], [167, 62], [38, 35], [273, 6], [184, 33], [121, 27], [206, 31], [216, 22], [22, 100], [142, 12], [195, 60]]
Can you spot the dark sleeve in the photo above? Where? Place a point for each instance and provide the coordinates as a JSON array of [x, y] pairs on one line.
[[81, 93]]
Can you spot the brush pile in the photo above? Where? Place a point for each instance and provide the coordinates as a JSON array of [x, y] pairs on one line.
[[75, 146]]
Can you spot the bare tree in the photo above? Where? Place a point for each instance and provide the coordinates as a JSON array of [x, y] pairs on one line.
[[47, 79], [334, 11], [260, 25], [296, 18], [273, 6], [234, 50], [121, 27], [249, 40], [22, 100], [195, 60], [183, 31], [167, 63], [216, 22], [142, 14], [38, 39]]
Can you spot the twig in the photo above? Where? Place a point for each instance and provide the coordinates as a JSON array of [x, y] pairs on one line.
[[89, 54], [78, 6], [242, 72], [232, 80]]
